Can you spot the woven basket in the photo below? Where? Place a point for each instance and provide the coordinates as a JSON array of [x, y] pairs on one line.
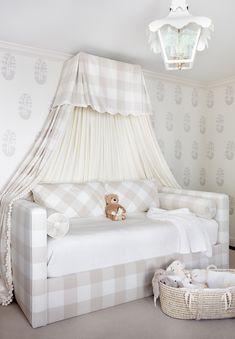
[[184, 303]]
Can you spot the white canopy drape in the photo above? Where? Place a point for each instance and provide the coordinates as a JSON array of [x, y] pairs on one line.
[[108, 147], [77, 143]]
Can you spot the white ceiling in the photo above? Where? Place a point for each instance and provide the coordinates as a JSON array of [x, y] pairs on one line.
[[117, 29]]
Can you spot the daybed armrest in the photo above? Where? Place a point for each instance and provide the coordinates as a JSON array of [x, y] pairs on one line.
[[201, 207], [29, 260], [222, 208]]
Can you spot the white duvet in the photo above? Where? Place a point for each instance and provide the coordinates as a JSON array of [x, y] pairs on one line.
[[99, 242]]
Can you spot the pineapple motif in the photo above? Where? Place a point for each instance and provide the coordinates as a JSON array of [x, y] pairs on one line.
[[169, 122], [178, 149], [187, 176], [9, 143], [220, 123], [231, 205], [160, 91], [210, 150], [8, 66], [229, 95], [152, 117], [40, 72], [187, 123], [202, 124], [210, 99], [178, 95], [161, 145], [220, 177], [25, 106], [195, 97], [202, 177], [230, 149], [195, 148]]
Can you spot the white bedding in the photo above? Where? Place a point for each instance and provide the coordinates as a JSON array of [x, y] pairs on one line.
[[193, 235], [99, 242]]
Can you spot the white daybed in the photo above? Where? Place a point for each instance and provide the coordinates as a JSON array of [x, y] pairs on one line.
[[55, 280]]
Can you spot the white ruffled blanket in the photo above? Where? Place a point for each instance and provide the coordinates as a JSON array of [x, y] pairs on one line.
[[192, 233]]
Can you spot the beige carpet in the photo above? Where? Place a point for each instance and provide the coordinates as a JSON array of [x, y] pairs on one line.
[[136, 320]]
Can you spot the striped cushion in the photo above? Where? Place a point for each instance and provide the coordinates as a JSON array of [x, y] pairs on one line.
[[202, 207], [135, 196], [73, 200]]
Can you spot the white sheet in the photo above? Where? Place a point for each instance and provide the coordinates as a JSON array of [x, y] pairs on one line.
[[192, 234], [99, 242]]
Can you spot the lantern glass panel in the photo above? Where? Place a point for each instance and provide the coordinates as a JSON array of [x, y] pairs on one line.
[[179, 44]]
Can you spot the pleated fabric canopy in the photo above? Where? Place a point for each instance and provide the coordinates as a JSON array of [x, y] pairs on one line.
[[98, 128], [107, 86]]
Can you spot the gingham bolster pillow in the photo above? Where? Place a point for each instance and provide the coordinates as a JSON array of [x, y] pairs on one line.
[[202, 207]]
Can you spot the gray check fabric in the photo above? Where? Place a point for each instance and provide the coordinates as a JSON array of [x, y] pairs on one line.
[[106, 85], [222, 208], [135, 196], [202, 207], [45, 300], [73, 200]]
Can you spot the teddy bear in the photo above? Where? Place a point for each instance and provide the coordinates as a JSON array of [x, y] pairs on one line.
[[113, 209], [197, 278], [177, 269], [161, 276]]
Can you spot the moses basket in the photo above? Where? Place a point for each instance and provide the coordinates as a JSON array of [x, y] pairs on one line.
[[185, 303]]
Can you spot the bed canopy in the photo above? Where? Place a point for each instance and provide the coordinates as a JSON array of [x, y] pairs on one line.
[[98, 128]]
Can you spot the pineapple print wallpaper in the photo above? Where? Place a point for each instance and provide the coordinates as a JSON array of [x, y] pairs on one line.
[[27, 86], [194, 125], [195, 130]]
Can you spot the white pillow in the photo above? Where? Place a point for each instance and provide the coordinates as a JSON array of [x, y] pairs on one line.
[[135, 196], [202, 207], [57, 224], [73, 200]]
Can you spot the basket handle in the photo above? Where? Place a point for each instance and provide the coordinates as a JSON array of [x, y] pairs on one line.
[[189, 298], [227, 298], [211, 267]]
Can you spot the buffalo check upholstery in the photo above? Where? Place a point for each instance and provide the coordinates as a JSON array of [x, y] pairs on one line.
[[106, 85], [73, 200], [135, 196], [202, 207], [46, 300], [222, 208]]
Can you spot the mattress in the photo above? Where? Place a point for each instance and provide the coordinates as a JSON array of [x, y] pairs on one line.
[[94, 243]]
